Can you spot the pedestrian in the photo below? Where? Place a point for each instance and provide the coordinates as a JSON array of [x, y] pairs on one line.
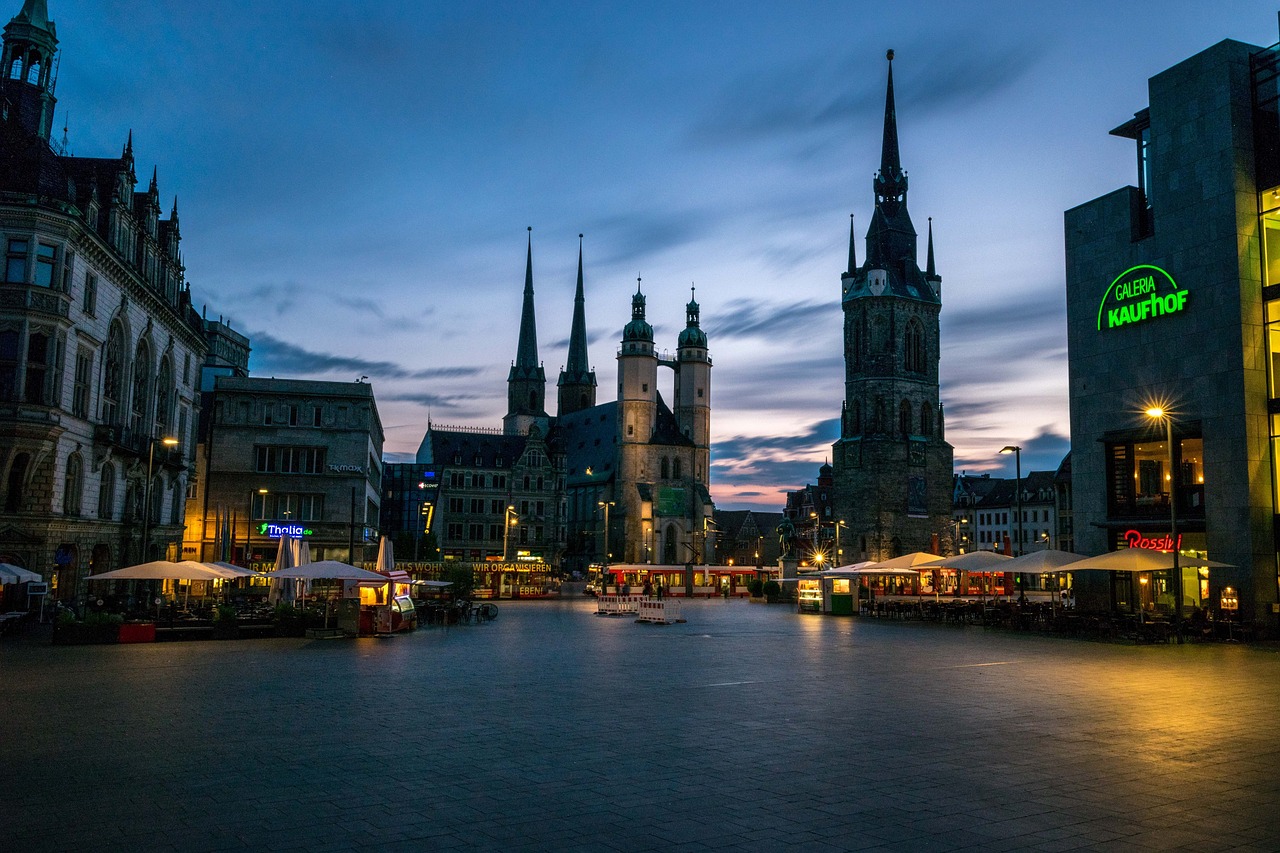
[[658, 588], [648, 589]]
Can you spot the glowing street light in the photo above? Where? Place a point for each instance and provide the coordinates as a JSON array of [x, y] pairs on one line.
[[1159, 413]]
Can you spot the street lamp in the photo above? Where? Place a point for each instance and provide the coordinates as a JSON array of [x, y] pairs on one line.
[[606, 505], [509, 518], [1017, 456], [838, 525], [146, 490], [248, 536], [1158, 413]]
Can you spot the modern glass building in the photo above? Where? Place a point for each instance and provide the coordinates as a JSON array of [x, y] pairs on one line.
[[1173, 301]]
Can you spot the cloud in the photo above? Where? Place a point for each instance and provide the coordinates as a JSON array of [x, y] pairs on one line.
[[273, 356], [758, 318]]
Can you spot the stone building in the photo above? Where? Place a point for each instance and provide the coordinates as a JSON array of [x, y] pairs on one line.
[[99, 343], [1173, 304], [892, 466], [635, 462], [287, 454]]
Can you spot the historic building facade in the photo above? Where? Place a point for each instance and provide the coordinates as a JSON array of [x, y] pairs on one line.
[[892, 464], [287, 454], [99, 343], [622, 481]]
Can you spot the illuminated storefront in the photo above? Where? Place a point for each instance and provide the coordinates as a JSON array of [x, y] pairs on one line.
[[1173, 325]]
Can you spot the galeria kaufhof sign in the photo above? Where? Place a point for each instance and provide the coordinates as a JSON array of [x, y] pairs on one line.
[[1138, 294]]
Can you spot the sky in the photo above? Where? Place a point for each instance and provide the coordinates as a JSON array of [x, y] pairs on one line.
[[355, 181]]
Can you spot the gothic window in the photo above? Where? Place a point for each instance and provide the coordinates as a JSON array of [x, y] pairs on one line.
[[915, 360], [15, 69], [141, 388], [666, 468], [107, 493], [73, 488], [926, 419], [881, 340], [675, 469], [113, 376], [882, 416], [164, 400], [33, 74], [904, 419]]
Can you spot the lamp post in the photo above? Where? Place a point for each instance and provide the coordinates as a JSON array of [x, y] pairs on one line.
[[1158, 413], [1017, 458], [817, 533], [509, 518], [146, 490], [248, 536], [838, 525]]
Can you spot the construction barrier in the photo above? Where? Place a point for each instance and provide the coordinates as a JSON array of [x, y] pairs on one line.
[[618, 605], [659, 611]]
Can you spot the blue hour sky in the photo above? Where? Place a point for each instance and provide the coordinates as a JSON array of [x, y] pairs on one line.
[[355, 180]]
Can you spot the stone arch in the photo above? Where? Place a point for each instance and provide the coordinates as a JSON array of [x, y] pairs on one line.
[[904, 418]]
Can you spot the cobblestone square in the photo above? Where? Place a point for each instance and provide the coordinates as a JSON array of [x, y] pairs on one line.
[[749, 727]]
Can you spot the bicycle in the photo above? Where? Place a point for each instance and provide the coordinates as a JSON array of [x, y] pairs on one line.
[[486, 612]]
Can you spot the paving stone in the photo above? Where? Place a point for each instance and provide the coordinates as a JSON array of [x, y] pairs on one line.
[[746, 728]]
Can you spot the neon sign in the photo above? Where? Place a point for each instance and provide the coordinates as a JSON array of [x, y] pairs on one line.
[[275, 530], [1140, 293], [1135, 539]]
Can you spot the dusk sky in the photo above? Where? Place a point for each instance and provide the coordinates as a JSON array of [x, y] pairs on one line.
[[355, 181]]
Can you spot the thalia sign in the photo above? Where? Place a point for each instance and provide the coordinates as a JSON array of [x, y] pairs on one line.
[[1140, 293], [277, 529]]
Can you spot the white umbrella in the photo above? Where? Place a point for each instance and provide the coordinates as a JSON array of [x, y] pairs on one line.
[[330, 570], [231, 571], [386, 556], [974, 561], [16, 574], [1138, 560], [906, 561], [1042, 562], [187, 570]]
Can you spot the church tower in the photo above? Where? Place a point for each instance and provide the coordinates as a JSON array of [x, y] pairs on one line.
[[892, 477], [526, 383], [27, 69], [577, 385], [693, 390]]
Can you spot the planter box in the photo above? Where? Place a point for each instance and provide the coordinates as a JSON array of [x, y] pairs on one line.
[[137, 632]]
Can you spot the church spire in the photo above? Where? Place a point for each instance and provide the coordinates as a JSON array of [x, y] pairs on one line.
[[891, 182], [577, 385], [527, 347], [526, 383], [930, 270], [853, 249]]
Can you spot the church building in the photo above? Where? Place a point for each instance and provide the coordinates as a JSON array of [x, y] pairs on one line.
[[622, 481], [892, 465]]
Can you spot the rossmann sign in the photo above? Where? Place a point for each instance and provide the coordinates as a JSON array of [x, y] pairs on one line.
[[1139, 294]]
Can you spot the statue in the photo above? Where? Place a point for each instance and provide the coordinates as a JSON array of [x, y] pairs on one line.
[[786, 537]]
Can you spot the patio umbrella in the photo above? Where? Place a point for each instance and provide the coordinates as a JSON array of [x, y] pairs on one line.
[[1139, 560], [329, 570], [286, 558], [16, 574], [187, 570], [983, 562], [906, 561], [386, 556], [230, 571], [1048, 561]]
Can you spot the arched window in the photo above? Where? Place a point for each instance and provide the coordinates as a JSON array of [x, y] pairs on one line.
[[73, 488], [15, 69], [107, 492], [926, 419], [882, 417], [675, 469], [164, 400], [141, 388], [914, 355], [904, 419], [33, 73], [113, 376], [13, 498], [666, 468]]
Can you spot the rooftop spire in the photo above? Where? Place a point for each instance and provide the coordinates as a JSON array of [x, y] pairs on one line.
[[577, 363], [853, 248], [930, 270], [527, 347], [890, 163]]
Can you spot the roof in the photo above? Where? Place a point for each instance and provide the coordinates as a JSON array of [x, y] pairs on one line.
[[470, 448]]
